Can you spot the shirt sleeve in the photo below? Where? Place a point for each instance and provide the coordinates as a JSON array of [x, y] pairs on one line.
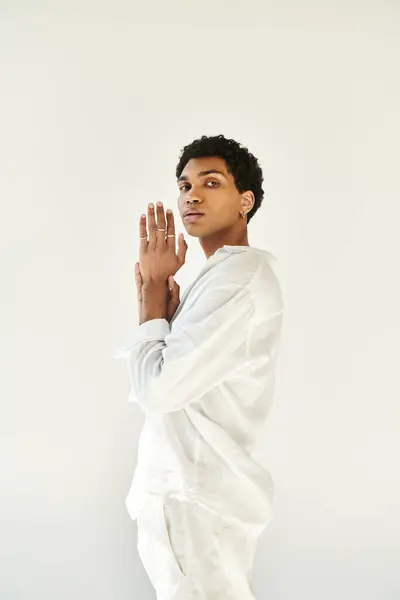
[[171, 367]]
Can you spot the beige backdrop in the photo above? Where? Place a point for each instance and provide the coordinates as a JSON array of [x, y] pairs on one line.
[[97, 99]]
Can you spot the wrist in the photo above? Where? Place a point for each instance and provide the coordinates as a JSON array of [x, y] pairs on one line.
[[154, 303], [155, 284]]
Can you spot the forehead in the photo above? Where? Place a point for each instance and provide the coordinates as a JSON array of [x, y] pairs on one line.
[[196, 165]]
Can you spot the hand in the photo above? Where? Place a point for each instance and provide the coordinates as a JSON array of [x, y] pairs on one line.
[[157, 255], [173, 296]]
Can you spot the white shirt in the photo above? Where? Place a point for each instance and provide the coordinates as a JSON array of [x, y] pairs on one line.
[[205, 382]]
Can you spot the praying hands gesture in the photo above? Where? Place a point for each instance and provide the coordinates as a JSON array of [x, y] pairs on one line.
[[158, 260]]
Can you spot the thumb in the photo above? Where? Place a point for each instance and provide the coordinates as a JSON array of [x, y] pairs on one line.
[[173, 286], [182, 249]]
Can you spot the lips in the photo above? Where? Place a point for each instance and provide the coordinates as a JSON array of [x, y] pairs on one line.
[[193, 217], [193, 212]]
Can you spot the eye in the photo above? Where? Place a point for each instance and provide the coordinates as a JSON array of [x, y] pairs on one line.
[[184, 186]]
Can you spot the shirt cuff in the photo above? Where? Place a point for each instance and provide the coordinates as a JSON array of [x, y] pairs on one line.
[[153, 330]]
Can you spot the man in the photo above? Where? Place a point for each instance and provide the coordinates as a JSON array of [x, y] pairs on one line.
[[202, 370]]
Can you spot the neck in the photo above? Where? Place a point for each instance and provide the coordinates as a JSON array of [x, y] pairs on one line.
[[212, 244]]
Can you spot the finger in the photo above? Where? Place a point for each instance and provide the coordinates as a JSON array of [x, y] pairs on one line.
[[138, 275], [152, 227], [174, 287], [171, 241], [138, 280], [176, 291], [142, 233], [161, 235], [182, 249]]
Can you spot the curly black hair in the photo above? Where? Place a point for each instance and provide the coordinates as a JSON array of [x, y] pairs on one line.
[[242, 165]]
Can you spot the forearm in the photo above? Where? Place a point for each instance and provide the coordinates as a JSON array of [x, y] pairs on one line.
[[154, 301]]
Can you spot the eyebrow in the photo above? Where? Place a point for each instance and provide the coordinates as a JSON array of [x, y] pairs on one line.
[[201, 174]]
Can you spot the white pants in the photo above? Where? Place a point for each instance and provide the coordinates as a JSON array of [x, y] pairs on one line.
[[192, 554]]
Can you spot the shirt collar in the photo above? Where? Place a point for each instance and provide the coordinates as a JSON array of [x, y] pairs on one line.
[[235, 249]]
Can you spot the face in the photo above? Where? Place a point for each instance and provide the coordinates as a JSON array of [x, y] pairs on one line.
[[214, 194]]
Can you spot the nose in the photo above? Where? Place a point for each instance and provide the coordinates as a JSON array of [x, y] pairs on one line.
[[191, 202], [192, 195], [191, 198]]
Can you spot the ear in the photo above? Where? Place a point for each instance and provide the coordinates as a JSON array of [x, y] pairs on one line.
[[248, 200]]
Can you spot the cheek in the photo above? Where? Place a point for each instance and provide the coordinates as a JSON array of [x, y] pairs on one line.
[[225, 211]]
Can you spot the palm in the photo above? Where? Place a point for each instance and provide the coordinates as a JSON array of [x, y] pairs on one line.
[[173, 297]]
